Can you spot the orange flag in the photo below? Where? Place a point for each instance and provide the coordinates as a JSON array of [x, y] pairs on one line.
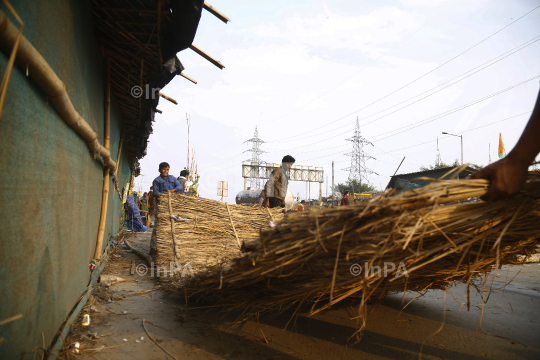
[[501, 147]]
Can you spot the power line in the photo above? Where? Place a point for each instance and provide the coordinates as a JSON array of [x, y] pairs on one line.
[[434, 117], [445, 137], [448, 61], [438, 67], [462, 132], [461, 108], [411, 146], [417, 124], [462, 76]]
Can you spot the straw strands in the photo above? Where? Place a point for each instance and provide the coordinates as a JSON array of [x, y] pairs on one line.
[[212, 234], [310, 258]]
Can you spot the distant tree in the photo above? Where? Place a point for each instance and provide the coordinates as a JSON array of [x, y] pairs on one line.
[[355, 185], [440, 165]]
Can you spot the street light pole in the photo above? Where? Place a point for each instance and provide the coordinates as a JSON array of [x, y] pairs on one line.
[[461, 136]]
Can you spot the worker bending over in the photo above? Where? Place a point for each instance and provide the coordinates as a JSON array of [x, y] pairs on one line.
[[276, 187]]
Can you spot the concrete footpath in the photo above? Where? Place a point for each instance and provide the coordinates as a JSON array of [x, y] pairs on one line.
[[510, 327]]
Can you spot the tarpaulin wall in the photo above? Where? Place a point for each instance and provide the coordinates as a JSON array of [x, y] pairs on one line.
[[51, 185]]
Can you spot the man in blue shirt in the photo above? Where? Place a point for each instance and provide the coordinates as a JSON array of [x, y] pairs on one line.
[[163, 184], [166, 182]]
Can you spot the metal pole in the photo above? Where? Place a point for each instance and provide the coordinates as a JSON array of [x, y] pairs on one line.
[[309, 186], [187, 120], [461, 136], [320, 191], [327, 187], [402, 160], [306, 191], [333, 193], [245, 183]]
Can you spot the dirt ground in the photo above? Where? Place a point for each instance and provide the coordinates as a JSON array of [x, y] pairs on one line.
[[510, 327]]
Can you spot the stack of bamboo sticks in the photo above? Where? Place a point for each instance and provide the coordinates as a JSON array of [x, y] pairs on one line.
[[327, 256], [213, 233]]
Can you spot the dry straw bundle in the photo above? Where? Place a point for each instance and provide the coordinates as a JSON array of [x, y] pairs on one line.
[[208, 232], [310, 258]]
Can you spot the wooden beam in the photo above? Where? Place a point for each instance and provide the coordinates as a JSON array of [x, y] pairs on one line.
[[168, 98], [159, 35], [221, 16], [187, 77], [129, 22], [117, 56], [125, 97], [206, 56], [110, 8], [135, 32]]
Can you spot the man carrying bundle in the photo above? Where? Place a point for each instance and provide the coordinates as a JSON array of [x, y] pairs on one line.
[[162, 184], [276, 187]]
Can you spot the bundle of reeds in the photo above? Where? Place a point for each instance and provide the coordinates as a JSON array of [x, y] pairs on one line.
[[209, 232], [326, 256]]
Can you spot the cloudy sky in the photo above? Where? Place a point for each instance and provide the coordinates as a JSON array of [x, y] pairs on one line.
[[304, 71]]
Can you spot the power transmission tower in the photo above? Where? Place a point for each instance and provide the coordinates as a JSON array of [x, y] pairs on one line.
[[438, 160], [358, 169], [254, 181], [489, 152]]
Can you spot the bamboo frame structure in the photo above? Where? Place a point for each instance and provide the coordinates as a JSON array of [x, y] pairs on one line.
[[106, 142], [29, 58]]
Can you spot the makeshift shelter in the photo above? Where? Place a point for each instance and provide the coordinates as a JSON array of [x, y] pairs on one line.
[[72, 119], [415, 180]]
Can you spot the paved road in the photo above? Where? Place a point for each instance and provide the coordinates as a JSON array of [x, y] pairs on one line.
[[510, 327]]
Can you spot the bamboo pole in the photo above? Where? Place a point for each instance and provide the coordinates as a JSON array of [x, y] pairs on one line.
[[29, 58], [206, 56], [333, 192], [176, 249], [159, 34], [118, 165], [221, 16], [9, 68], [106, 143], [232, 224], [168, 98], [142, 87], [187, 77]]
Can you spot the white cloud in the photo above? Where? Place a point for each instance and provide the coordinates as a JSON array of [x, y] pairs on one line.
[[336, 31], [293, 74]]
